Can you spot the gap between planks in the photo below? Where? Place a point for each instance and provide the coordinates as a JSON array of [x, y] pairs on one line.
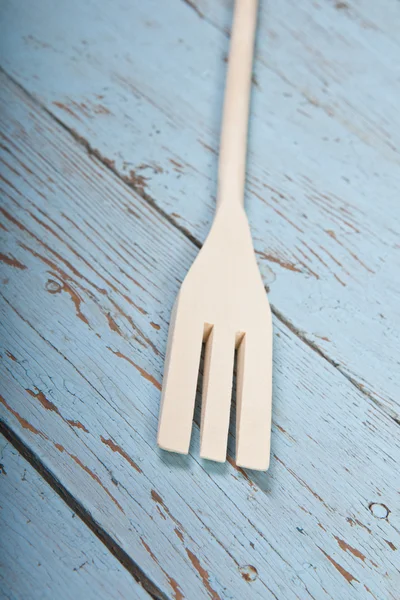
[[93, 152], [116, 550]]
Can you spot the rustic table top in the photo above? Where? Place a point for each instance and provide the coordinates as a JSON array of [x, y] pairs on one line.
[[110, 117]]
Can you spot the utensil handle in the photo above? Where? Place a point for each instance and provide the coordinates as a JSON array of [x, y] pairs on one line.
[[233, 145]]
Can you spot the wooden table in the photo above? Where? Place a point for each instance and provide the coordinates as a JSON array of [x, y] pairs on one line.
[[110, 116]]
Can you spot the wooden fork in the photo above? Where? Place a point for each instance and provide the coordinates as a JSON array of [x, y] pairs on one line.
[[222, 301]]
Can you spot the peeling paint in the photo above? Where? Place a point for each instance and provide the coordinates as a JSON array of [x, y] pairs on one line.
[[115, 448], [12, 262], [348, 576], [203, 574]]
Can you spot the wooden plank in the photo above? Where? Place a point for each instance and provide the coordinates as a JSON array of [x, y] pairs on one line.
[[46, 551], [142, 84], [89, 280]]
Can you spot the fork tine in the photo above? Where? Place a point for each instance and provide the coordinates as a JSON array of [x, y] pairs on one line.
[[217, 394], [254, 398], [180, 382]]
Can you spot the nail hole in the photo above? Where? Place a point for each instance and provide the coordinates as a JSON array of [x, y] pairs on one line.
[[249, 573], [380, 511], [53, 287]]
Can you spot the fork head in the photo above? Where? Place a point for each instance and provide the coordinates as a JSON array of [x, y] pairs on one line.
[[223, 303]]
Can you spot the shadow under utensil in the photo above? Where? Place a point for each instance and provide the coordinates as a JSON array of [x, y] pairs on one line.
[[174, 460]]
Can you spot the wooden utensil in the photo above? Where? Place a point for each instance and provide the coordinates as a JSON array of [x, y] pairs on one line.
[[222, 301]]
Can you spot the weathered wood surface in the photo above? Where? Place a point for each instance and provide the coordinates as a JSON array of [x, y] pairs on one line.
[[90, 271], [141, 83], [45, 550]]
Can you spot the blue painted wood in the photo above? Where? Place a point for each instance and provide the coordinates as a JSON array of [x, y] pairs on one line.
[[89, 273], [45, 549], [142, 83]]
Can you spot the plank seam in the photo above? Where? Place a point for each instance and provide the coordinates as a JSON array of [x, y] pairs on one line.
[[96, 155], [116, 550]]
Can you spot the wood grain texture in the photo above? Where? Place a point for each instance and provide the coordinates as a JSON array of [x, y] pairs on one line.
[[45, 549], [141, 85], [222, 301], [83, 333]]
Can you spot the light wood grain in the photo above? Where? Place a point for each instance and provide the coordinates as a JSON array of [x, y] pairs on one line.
[[89, 280], [142, 84], [222, 301], [45, 549]]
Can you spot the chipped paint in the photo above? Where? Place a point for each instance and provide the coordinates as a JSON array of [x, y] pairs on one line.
[[205, 577], [348, 576], [115, 448], [12, 262], [347, 548], [45, 402], [23, 422], [77, 424], [178, 594], [142, 371]]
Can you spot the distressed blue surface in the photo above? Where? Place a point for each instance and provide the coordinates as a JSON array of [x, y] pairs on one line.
[[115, 109]]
